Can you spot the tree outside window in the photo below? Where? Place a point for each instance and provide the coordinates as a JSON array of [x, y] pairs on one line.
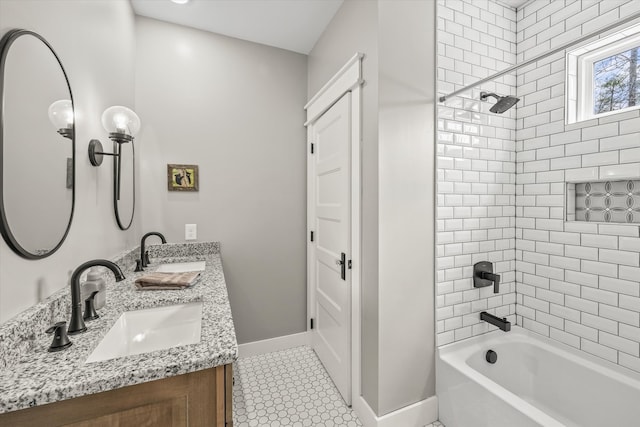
[[616, 84]]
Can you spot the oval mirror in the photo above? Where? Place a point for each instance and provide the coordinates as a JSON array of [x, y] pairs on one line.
[[37, 141]]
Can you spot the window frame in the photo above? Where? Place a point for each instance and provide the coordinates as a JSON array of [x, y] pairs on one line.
[[585, 75], [579, 87]]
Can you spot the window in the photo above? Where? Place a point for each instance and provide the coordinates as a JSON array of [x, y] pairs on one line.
[[615, 81], [603, 77]]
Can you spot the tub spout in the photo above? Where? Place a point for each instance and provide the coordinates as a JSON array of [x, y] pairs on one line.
[[503, 323]]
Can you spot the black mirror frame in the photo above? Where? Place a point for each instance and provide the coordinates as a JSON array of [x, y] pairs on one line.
[[5, 43]]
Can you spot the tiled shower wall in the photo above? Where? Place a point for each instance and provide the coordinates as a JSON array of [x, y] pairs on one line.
[[476, 167], [577, 282]]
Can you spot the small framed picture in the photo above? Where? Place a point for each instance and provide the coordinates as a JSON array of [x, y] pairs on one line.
[[182, 177]]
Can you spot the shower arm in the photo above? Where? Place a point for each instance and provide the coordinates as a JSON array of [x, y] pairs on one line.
[[541, 56], [485, 95]]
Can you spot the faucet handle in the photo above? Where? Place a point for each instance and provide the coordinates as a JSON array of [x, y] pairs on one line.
[[139, 265], [483, 276], [60, 338], [89, 307]]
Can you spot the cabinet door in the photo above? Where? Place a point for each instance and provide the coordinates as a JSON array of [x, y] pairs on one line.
[[197, 399], [169, 413]]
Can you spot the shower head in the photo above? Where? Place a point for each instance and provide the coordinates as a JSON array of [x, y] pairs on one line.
[[503, 104]]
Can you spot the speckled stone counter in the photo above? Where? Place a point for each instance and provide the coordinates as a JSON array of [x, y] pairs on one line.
[[32, 376]]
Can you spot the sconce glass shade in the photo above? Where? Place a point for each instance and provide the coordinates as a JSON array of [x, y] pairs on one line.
[[61, 114], [121, 120]]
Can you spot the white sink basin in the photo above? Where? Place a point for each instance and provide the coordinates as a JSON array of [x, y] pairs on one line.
[[143, 331], [181, 267]]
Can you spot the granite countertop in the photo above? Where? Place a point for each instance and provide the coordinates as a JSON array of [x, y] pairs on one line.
[[38, 377]]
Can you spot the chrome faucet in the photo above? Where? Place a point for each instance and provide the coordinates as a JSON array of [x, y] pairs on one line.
[[144, 255], [76, 325]]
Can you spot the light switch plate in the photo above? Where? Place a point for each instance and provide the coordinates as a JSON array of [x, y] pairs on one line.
[[190, 231]]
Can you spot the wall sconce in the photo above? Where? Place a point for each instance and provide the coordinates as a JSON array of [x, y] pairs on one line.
[[123, 125], [61, 115]]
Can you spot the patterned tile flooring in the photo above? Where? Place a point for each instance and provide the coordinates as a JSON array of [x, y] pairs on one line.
[[288, 388]]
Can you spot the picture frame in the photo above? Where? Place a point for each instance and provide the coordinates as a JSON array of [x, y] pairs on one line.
[[182, 177]]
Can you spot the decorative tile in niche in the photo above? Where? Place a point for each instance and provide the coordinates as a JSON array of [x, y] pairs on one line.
[[609, 201]]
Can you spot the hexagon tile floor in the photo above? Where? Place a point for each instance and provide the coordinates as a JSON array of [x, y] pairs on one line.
[[288, 388]]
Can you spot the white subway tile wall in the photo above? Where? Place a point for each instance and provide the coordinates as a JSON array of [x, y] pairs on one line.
[[476, 161], [578, 283]]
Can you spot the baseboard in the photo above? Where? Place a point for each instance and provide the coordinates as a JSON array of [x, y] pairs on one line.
[[364, 412], [418, 414], [273, 344]]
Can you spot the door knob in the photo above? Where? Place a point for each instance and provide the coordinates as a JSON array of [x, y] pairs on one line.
[[342, 262]]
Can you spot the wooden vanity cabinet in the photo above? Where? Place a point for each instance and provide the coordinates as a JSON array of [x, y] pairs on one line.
[[197, 399]]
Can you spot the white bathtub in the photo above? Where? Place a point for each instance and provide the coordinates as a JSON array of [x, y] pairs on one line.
[[535, 382]]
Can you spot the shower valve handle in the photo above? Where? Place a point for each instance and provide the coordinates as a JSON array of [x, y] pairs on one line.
[[483, 276]]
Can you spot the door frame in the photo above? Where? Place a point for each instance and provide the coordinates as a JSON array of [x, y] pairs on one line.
[[347, 79]]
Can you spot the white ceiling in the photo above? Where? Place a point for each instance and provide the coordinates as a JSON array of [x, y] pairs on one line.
[[288, 24]]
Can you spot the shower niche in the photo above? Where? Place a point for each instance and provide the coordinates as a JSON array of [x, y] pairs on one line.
[[615, 201]]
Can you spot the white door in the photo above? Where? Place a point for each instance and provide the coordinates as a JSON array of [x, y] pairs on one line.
[[330, 192]]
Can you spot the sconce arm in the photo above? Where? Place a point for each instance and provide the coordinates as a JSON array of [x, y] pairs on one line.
[[96, 153]]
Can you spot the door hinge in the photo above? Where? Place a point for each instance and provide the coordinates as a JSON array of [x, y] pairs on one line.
[[312, 236], [311, 322], [312, 147]]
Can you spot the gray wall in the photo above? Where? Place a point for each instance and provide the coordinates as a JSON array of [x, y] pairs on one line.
[[235, 109], [99, 62], [397, 190], [406, 202], [353, 29]]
